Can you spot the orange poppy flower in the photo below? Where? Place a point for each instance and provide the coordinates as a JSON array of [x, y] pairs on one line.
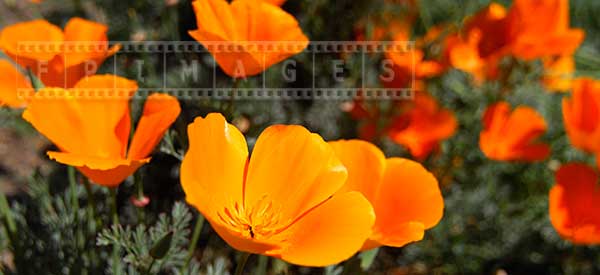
[[581, 115], [90, 124], [490, 25], [539, 28], [246, 37], [509, 136], [558, 73], [464, 55], [275, 2], [409, 66], [13, 83], [423, 125], [283, 201], [574, 204], [62, 58], [405, 196]]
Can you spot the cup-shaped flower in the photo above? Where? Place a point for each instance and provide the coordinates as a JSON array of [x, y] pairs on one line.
[[559, 72], [90, 124], [513, 135], [422, 125], [405, 196], [574, 204], [246, 36], [540, 28], [581, 115], [14, 88], [283, 201], [59, 58]]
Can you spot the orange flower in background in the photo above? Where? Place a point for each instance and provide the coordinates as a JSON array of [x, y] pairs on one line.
[[90, 124], [247, 37], [464, 55], [539, 28], [13, 82], [406, 197], [574, 204], [62, 58], [283, 201], [558, 73], [512, 136], [490, 26], [423, 125], [581, 115], [275, 2]]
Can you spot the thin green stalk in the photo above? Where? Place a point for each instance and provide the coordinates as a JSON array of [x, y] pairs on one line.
[[261, 268], [115, 222], [113, 205], [7, 214], [195, 237], [243, 260], [91, 203], [149, 269]]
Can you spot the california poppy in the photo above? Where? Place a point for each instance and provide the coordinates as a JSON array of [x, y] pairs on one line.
[[492, 29], [422, 125], [283, 201], [574, 204], [513, 135], [246, 37], [14, 86], [558, 73], [581, 115], [539, 28], [63, 57], [405, 196], [90, 124]]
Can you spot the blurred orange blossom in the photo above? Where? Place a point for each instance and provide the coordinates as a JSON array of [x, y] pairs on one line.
[[90, 124], [581, 115], [405, 196], [58, 58], [422, 125], [574, 204], [512, 135], [246, 37], [283, 201]]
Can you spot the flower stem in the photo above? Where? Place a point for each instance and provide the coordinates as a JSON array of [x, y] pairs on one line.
[[6, 212], [91, 202], [113, 205], [243, 260], [195, 237]]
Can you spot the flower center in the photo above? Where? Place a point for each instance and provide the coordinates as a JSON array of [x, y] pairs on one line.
[[259, 221]]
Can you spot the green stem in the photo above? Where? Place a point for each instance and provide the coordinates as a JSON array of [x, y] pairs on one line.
[[150, 266], [5, 208], [115, 222], [195, 237], [91, 202], [243, 260], [113, 205]]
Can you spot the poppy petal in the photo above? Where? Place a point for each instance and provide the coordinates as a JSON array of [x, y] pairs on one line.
[[14, 86], [160, 111], [212, 171], [331, 232], [294, 168], [32, 31], [573, 204], [365, 164], [106, 172], [408, 195]]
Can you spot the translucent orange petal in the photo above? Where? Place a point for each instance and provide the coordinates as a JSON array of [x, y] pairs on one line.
[[292, 168], [160, 111], [85, 40], [330, 233], [365, 164], [103, 171], [581, 114], [14, 87], [574, 204], [408, 195], [28, 32], [216, 23], [212, 171]]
